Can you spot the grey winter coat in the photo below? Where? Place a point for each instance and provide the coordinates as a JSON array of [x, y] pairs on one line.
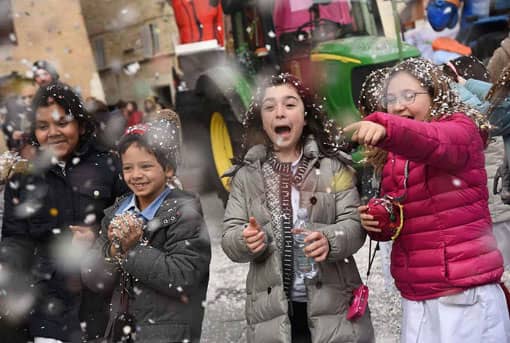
[[170, 274], [329, 185]]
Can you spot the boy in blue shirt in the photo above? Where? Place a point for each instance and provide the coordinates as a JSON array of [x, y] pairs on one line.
[[155, 239]]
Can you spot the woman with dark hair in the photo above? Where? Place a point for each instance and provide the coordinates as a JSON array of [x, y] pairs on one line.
[[52, 215], [292, 162]]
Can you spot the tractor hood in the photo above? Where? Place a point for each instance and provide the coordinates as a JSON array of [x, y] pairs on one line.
[[362, 50]]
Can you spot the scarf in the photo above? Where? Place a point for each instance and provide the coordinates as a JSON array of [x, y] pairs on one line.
[[278, 182]]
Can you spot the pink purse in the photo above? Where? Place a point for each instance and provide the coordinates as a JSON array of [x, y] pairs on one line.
[[359, 302]]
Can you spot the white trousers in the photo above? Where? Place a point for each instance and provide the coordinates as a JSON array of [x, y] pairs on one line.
[[477, 315]]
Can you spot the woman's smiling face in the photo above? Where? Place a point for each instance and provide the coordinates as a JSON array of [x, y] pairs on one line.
[[57, 131], [283, 118]]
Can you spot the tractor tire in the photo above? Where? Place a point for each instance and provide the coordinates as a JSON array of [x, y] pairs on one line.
[[193, 172], [225, 139]]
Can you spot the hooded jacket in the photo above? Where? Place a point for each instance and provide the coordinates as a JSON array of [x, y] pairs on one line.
[[329, 194], [446, 244]]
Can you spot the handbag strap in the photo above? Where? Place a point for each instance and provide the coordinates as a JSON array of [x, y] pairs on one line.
[[125, 280], [371, 256]]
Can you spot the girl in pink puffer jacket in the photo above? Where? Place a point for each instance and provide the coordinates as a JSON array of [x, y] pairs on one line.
[[445, 261]]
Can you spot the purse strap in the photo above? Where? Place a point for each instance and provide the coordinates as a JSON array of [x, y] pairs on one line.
[[125, 281], [371, 256]]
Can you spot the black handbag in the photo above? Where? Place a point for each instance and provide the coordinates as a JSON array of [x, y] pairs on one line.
[[124, 325]]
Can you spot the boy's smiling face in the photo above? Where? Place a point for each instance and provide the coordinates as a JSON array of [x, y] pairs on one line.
[[143, 174]]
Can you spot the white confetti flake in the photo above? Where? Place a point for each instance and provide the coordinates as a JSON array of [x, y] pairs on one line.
[[90, 219]]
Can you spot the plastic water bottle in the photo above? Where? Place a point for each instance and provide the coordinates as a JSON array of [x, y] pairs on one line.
[[304, 266]]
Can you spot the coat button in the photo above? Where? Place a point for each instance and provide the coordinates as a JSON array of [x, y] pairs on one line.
[[318, 285], [313, 200]]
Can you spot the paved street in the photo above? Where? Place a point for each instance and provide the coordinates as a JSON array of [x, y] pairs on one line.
[[224, 315]]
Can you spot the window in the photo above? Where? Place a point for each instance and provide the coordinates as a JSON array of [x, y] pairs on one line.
[[7, 35], [150, 40], [154, 37], [99, 54]]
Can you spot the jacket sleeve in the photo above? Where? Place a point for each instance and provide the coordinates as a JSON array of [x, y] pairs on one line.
[[234, 222], [183, 263], [98, 271], [444, 144], [500, 118], [16, 247], [478, 88], [471, 95], [346, 236]]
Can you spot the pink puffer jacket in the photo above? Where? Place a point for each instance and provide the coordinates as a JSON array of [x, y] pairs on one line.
[[446, 244]]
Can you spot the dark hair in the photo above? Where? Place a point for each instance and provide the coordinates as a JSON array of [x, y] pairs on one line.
[[468, 67], [499, 90], [45, 65], [370, 99], [121, 104], [372, 91], [134, 104], [142, 141], [326, 132], [64, 96]]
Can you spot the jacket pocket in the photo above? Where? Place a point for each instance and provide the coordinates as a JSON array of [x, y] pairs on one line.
[[265, 305], [323, 207]]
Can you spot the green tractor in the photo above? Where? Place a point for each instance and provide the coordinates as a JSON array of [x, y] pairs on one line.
[[332, 56]]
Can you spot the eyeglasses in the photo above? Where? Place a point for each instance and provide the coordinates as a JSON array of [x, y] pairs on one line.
[[405, 98]]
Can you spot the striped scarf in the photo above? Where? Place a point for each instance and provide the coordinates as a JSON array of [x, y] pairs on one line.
[[278, 182]]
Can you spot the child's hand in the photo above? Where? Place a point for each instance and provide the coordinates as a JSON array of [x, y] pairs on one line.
[[366, 132], [82, 235], [318, 248], [367, 220], [128, 229], [253, 236], [131, 237]]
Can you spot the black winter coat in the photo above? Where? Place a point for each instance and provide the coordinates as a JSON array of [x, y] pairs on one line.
[[39, 207], [169, 274]]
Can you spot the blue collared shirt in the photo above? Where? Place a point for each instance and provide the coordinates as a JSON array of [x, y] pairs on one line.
[[129, 204]]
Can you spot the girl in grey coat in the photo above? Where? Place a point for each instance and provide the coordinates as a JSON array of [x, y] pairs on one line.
[[293, 159]]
